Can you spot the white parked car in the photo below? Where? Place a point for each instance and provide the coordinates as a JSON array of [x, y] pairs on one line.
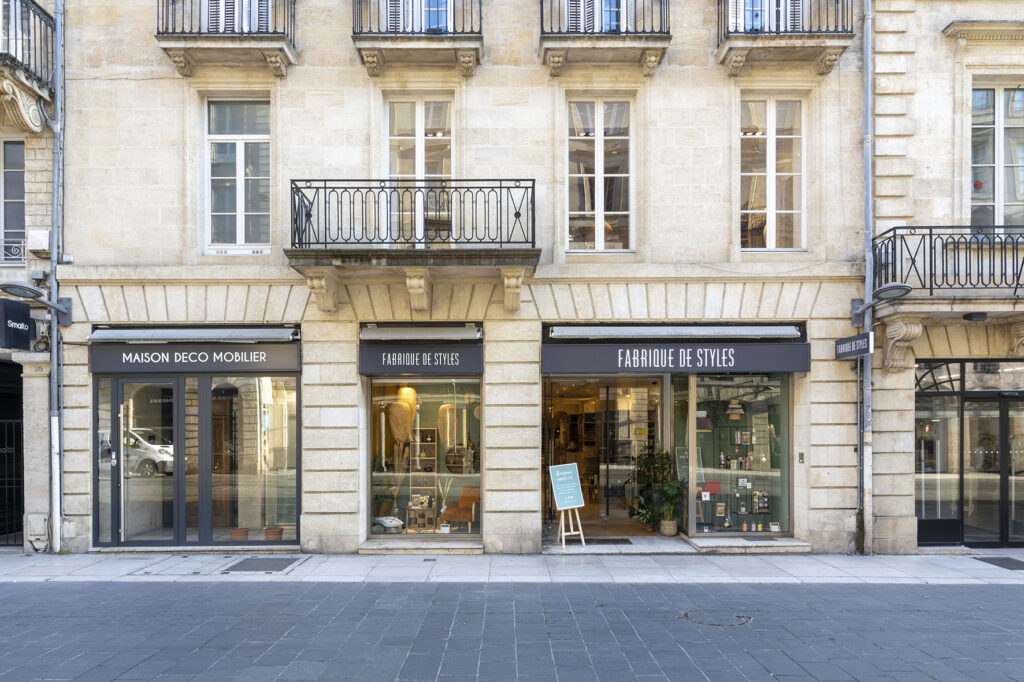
[[147, 453]]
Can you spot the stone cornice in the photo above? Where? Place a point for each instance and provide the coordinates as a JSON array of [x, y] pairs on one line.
[[985, 31]]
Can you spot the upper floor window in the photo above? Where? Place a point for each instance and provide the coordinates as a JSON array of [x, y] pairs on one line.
[[771, 174], [600, 167], [997, 156], [600, 16], [238, 144], [413, 16], [12, 194], [235, 16]]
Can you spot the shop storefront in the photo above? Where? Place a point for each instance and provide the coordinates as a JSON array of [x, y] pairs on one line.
[[425, 451], [625, 409], [197, 436], [969, 452]]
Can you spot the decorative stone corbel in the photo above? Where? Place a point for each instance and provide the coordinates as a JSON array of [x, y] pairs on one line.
[[277, 64], [735, 61], [1017, 337], [827, 61], [556, 59], [961, 48], [899, 334], [466, 62], [417, 281], [21, 107], [325, 288], [182, 62], [512, 280], [649, 61], [373, 60]]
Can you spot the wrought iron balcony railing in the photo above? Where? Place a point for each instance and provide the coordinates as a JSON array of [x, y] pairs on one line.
[[12, 251], [938, 259], [416, 17], [413, 213], [604, 17], [784, 17], [226, 18], [26, 41]]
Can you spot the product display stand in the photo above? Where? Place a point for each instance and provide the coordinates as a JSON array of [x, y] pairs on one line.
[[565, 530]]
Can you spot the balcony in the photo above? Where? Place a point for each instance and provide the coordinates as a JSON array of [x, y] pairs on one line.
[[427, 228], [418, 33], [12, 251], [604, 32], [796, 31], [26, 64], [227, 32]]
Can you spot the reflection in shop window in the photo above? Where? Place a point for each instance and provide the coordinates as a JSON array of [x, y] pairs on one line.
[[938, 376], [936, 457], [425, 457]]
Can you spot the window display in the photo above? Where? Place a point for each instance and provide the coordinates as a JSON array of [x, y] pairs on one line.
[[425, 457]]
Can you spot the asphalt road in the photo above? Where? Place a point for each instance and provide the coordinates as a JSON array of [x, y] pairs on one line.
[[507, 631]]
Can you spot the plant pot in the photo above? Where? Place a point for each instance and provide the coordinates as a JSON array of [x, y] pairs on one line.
[[273, 533], [669, 528], [239, 534]]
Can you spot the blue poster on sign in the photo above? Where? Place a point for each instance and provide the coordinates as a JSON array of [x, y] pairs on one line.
[[565, 484]]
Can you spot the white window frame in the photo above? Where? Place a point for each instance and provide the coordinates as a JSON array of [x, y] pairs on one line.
[[3, 204], [742, 15], [419, 175], [771, 173], [240, 247], [591, 16], [246, 16], [599, 102], [998, 164], [408, 11]]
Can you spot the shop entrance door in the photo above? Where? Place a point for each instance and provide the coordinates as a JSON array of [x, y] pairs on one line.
[[602, 426], [993, 480]]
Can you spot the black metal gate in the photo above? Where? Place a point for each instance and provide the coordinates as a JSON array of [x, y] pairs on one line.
[[12, 483]]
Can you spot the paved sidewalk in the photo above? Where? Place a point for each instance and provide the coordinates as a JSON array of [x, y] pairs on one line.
[[766, 568]]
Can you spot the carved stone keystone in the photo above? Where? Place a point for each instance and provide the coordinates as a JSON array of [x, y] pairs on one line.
[[556, 59]]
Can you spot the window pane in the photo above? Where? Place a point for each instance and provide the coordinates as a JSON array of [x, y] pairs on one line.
[[257, 118], [753, 118], [14, 185], [106, 440], [616, 119], [581, 193], [753, 154], [787, 118], [1013, 191], [437, 119], [1014, 146], [983, 107], [257, 196], [787, 192], [222, 196], [616, 157], [14, 155], [752, 193], [222, 229], [581, 119], [787, 231], [403, 157], [222, 160], [616, 194], [1014, 100], [257, 160], [982, 216], [616, 231], [581, 232], [982, 146], [402, 119], [938, 376], [14, 217], [257, 229], [1013, 214], [787, 155], [581, 156], [437, 157], [937, 457], [981, 184], [752, 230], [239, 118]]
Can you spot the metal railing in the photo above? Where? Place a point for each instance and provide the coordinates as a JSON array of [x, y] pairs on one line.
[[783, 17], [226, 17], [12, 251], [604, 17], [416, 17], [26, 39], [940, 259], [12, 482], [413, 213]]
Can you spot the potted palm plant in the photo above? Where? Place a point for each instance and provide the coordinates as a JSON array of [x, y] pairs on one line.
[[672, 495]]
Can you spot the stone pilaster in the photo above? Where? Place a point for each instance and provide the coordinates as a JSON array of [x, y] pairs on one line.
[[36, 446]]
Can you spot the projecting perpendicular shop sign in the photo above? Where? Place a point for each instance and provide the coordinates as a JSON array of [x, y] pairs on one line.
[[420, 358], [130, 358], [18, 327], [689, 358]]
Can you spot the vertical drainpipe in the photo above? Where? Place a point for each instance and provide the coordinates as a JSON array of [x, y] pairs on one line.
[[865, 520], [56, 372]]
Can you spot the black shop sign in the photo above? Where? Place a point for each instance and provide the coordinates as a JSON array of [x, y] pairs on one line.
[[189, 358], [420, 358], [685, 358], [18, 326]]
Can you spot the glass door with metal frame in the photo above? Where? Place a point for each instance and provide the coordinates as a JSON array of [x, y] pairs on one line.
[[993, 465]]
